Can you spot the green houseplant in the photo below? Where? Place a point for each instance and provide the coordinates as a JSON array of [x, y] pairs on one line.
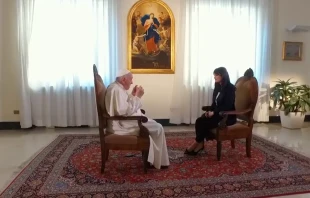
[[292, 100]]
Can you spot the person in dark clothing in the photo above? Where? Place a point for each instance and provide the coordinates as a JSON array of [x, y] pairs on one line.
[[223, 100]]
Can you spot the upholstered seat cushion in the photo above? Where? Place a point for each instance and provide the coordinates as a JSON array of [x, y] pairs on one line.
[[237, 127], [121, 139]]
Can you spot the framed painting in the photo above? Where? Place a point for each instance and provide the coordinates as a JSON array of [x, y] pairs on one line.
[[151, 38], [292, 51]]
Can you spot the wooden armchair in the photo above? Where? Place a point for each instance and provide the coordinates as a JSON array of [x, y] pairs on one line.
[[245, 102], [113, 141]]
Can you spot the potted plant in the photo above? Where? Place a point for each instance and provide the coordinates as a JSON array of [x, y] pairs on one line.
[[292, 100]]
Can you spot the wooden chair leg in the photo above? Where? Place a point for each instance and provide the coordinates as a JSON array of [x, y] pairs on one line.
[[103, 159], [219, 150], [248, 146], [233, 144], [106, 154], [145, 154]]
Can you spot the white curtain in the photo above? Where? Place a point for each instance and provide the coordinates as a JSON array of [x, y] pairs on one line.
[[59, 41], [25, 11], [263, 58], [235, 34]]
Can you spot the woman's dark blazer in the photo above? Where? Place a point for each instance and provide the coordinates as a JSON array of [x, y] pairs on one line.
[[225, 101]]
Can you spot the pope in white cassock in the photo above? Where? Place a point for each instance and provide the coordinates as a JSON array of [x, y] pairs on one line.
[[119, 103]]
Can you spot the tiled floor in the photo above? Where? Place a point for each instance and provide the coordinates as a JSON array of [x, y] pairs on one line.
[[17, 148]]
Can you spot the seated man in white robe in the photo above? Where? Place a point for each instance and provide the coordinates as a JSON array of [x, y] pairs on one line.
[[119, 103]]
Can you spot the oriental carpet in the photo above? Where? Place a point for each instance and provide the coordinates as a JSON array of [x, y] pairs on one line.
[[70, 167]]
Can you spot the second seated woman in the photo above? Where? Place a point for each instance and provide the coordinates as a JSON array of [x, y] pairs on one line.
[[223, 100]]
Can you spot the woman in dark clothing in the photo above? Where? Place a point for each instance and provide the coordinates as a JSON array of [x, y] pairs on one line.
[[223, 100]]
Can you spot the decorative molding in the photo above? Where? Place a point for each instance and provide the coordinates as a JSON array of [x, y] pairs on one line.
[[9, 126], [299, 28], [276, 119]]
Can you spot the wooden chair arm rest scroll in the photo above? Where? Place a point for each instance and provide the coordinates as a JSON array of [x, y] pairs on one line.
[[144, 132], [142, 119], [235, 112], [206, 108]]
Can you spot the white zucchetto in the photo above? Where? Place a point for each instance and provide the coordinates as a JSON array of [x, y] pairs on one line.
[[122, 72]]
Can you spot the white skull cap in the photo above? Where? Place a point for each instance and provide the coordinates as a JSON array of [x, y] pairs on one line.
[[122, 72]]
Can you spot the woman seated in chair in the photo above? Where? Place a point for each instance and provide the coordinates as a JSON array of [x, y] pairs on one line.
[[223, 100]]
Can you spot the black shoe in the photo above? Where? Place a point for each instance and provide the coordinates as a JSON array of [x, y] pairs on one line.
[[187, 152], [193, 153]]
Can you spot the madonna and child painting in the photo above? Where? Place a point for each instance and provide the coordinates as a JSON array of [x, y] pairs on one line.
[[151, 38]]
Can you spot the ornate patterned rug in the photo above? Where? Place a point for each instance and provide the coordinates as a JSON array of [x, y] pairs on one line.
[[70, 167]]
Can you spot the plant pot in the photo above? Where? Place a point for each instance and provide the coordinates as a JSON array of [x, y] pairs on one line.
[[292, 120]]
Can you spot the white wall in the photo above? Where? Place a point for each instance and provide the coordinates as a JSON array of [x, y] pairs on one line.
[[158, 98], [1, 59], [291, 13], [9, 68]]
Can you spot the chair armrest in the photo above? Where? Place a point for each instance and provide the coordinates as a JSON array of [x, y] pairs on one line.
[[206, 108], [222, 123], [144, 132], [138, 118], [222, 113]]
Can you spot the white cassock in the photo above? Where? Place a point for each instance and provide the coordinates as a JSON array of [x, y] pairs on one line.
[[119, 103]]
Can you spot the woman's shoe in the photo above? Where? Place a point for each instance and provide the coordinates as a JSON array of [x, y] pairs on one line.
[[193, 153], [187, 152]]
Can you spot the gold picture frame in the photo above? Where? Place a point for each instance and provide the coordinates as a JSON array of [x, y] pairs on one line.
[[151, 38], [292, 51]]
